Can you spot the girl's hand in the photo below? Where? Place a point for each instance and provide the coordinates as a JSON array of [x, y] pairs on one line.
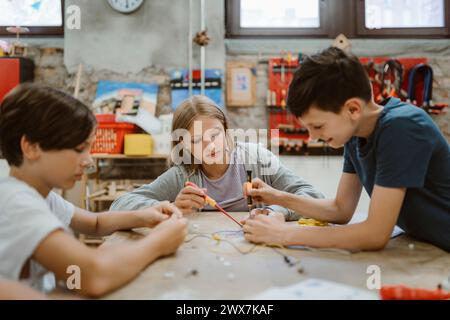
[[155, 215], [190, 199], [262, 192]]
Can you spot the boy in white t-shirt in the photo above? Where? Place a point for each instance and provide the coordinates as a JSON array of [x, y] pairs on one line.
[[46, 135]]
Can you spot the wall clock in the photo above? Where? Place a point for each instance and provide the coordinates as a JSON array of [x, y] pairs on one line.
[[125, 6]]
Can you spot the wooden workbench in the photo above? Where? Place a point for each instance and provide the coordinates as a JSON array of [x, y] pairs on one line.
[[221, 272]]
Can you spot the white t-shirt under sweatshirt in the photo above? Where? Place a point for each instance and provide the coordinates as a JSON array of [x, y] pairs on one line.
[[26, 218]]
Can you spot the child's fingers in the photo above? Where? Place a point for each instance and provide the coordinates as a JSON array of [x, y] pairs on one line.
[[185, 205], [170, 209], [193, 198], [257, 183], [199, 202], [248, 228], [261, 218], [189, 203], [192, 190], [161, 217], [246, 188], [180, 221], [255, 192], [256, 212]]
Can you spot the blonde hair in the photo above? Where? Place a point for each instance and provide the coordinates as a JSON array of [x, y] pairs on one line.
[[188, 111]]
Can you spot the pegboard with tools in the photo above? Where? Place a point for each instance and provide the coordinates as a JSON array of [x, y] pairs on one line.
[[281, 72], [410, 79], [285, 129]]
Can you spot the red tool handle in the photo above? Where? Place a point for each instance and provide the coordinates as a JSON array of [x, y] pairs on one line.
[[406, 293]]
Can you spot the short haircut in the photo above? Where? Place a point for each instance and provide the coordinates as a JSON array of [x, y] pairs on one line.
[[46, 116], [326, 80]]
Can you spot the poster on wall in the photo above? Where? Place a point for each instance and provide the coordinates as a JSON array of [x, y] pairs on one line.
[[241, 84], [115, 97], [179, 82]]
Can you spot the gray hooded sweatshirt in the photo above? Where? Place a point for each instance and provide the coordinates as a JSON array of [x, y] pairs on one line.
[[263, 164]]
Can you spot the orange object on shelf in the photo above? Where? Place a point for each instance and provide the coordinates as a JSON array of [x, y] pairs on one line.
[[110, 134], [406, 293]]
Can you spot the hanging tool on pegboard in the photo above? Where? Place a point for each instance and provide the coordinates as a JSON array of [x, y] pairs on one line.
[[421, 77]]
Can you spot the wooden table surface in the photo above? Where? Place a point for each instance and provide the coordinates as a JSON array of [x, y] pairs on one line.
[[205, 268]]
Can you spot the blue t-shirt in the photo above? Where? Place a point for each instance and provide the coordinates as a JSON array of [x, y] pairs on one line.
[[407, 150]]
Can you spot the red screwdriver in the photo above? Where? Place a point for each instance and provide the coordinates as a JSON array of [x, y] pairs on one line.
[[213, 203]]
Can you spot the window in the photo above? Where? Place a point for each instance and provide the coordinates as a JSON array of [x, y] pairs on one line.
[[404, 14], [272, 18], [430, 18], [42, 17], [280, 14], [328, 18]]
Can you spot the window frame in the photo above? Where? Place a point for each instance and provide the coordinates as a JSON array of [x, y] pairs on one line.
[[39, 31], [234, 30], [336, 17]]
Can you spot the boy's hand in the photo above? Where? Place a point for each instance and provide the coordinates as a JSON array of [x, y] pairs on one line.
[[171, 234], [190, 199], [262, 192], [267, 212], [155, 215], [265, 229]]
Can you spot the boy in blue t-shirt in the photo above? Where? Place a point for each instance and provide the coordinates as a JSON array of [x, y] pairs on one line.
[[395, 151]]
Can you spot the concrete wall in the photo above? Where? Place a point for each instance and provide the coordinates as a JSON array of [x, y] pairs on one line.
[[155, 35]]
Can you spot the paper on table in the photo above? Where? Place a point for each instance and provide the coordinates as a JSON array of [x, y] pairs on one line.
[[316, 289]]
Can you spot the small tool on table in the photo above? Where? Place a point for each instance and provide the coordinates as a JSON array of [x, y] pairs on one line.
[[213, 203]]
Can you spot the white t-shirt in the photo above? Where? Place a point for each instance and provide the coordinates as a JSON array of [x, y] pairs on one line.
[[26, 218]]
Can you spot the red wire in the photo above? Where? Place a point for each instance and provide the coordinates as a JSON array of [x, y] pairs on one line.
[[217, 205], [228, 215]]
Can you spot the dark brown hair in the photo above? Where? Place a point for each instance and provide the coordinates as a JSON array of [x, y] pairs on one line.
[[326, 81], [46, 116]]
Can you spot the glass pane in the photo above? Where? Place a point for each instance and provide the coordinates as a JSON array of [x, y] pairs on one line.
[[404, 14], [33, 13], [280, 14]]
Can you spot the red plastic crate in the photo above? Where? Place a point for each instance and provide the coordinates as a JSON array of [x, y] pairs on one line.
[[110, 134]]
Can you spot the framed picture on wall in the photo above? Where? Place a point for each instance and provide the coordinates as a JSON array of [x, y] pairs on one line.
[[241, 84]]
